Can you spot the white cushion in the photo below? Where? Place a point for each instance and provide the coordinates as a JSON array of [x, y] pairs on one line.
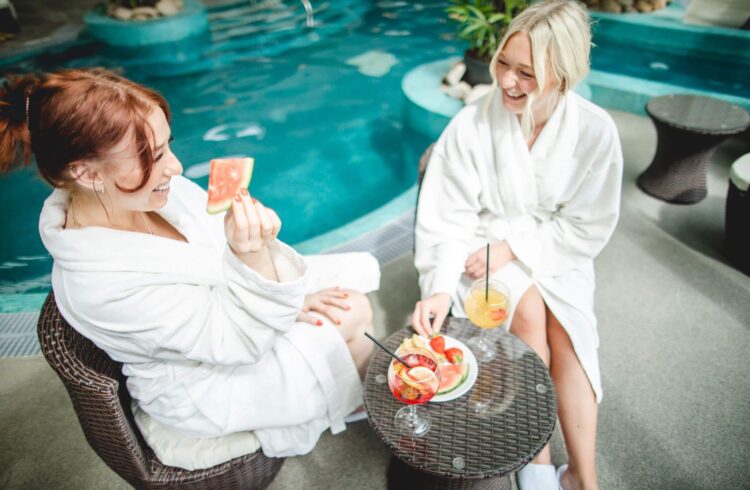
[[192, 453], [740, 172]]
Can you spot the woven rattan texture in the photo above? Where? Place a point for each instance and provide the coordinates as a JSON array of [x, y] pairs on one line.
[[689, 129], [101, 402], [461, 444], [699, 114]]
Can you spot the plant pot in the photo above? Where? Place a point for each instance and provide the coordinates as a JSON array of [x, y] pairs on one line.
[[477, 70], [191, 21]]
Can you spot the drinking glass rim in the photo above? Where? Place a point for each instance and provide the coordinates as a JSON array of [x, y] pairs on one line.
[[504, 289]]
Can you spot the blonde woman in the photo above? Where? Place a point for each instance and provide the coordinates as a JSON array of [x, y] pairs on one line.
[[535, 170]]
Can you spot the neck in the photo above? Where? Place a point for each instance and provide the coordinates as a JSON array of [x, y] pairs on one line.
[[89, 209]]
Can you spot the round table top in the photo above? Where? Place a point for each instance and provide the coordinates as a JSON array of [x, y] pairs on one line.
[[462, 443], [699, 114]]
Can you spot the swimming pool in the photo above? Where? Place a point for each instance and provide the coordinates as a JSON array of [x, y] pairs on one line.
[[319, 109]]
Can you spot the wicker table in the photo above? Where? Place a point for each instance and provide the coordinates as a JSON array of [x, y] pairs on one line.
[[688, 128], [462, 449]]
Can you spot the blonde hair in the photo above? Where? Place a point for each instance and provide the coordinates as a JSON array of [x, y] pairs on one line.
[[560, 32]]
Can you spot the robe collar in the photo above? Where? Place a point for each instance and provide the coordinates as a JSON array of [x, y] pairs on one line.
[[99, 249], [520, 169]]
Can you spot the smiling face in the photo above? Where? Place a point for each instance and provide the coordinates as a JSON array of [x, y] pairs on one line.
[[516, 76], [123, 168]]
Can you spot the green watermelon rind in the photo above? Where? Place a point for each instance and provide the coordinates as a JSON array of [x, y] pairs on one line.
[[221, 206], [445, 391]]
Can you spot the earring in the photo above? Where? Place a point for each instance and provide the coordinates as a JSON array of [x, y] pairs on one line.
[[99, 187]]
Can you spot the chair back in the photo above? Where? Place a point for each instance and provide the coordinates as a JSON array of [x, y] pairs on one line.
[[97, 389]]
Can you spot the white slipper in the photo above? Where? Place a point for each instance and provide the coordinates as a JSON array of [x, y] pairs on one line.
[[560, 472], [537, 477], [359, 414]]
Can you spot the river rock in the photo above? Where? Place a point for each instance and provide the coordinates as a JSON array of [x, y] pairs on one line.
[[168, 7]]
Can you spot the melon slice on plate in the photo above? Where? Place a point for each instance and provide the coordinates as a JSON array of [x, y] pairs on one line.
[[226, 177], [452, 376]]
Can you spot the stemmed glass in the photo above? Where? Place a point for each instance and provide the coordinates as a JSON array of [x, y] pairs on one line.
[[487, 306], [414, 384]]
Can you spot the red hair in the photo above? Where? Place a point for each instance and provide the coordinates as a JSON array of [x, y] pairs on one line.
[[74, 115]]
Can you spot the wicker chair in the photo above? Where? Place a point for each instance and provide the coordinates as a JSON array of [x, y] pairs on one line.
[[97, 389]]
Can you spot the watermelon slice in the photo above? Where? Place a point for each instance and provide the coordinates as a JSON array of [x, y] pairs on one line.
[[451, 377], [226, 177]]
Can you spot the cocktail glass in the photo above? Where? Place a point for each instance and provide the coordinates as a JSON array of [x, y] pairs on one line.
[[414, 384], [486, 308]]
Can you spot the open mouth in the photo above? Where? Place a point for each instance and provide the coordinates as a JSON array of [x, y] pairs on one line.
[[514, 98], [162, 188]]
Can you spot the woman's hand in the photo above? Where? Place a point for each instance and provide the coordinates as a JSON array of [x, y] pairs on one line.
[[249, 226], [437, 307], [476, 264], [327, 302]]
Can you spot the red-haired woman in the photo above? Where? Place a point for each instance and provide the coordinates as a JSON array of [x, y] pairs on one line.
[[221, 327]]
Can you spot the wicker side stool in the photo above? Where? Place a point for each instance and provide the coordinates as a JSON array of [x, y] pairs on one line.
[[737, 217], [101, 401], [689, 128]]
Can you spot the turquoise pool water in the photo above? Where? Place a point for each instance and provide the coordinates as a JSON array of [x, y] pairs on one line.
[[320, 110]]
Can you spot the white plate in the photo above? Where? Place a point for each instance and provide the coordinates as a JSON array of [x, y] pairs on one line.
[[470, 378]]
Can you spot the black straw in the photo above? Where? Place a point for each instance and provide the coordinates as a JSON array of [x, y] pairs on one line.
[[487, 277], [385, 349]]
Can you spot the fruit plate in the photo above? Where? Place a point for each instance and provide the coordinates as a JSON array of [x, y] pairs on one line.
[[471, 378]]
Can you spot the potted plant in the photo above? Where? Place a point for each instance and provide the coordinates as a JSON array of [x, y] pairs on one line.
[[143, 9], [483, 24], [133, 24]]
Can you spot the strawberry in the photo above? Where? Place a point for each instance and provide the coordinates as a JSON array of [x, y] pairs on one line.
[[498, 315], [438, 344], [455, 355]]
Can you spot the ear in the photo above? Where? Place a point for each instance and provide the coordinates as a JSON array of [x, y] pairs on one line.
[[83, 173]]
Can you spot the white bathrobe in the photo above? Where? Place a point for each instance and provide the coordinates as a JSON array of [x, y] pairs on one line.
[[556, 205], [209, 347]]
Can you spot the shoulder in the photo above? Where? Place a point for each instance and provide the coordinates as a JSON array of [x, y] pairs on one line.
[[596, 125], [462, 132]]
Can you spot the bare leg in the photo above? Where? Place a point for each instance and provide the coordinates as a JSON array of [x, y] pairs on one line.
[[577, 409], [530, 325], [354, 323]]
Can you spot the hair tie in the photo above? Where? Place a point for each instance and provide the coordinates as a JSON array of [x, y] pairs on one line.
[[29, 89]]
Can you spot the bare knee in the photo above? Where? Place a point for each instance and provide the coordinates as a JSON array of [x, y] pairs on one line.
[[557, 338], [358, 319], [361, 309], [529, 316]]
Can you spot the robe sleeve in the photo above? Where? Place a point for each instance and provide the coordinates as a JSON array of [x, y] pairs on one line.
[[580, 227], [447, 215], [232, 323]]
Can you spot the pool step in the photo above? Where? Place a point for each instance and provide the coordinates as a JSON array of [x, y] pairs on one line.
[[18, 334]]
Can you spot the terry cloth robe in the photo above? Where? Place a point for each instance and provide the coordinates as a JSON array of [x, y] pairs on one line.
[[209, 346], [556, 205]]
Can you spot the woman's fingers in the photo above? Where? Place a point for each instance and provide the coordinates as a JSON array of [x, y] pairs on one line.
[[329, 313], [276, 221], [424, 320], [308, 318], [339, 303]]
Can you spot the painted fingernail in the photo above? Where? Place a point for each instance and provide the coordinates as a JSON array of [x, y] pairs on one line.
[[237, 198], [255, 201], [346, 295], [244, 192], [319, 323]]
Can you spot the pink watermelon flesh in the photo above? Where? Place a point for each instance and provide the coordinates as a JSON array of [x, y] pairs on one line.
[[451, 377], [226, 177]]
